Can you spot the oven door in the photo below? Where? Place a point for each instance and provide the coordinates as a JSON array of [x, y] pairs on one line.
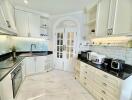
[[16, 81]]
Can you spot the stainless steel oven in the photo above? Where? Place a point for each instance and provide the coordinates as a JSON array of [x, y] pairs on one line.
[[16, 79]]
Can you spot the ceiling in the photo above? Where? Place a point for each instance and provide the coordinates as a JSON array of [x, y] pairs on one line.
[[55, 7]]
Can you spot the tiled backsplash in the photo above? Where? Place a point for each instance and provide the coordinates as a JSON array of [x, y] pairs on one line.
[[21, 44], [115, 52], [4, 44], [24, 44]]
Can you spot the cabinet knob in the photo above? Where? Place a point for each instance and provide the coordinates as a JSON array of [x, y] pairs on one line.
[[105, 76], [85, 72], [8, 24], [104, 84], [85, 78], [103, 92]]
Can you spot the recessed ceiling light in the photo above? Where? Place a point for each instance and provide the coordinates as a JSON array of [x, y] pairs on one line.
[[26, 2]]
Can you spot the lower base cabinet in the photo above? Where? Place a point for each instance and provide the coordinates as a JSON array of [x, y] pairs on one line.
[[38, 64], [6, 92], [101, 85]]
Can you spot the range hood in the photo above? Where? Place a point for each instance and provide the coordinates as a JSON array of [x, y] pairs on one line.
[[122, 41]]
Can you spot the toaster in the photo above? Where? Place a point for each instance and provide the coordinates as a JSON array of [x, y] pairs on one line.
[[97, 58]]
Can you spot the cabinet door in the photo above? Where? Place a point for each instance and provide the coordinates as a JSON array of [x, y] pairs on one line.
[[8, 12], [123, 17], [2, 19], [34, 25], [49, 63], [6, 88], [22, 23], [40, 63], [102, 17], [30, 65], [111, 15], [24, 69]]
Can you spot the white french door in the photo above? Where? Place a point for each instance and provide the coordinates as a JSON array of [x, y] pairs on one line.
[[65, 48]]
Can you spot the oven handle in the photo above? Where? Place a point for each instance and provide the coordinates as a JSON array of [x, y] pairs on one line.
[[15, 74]]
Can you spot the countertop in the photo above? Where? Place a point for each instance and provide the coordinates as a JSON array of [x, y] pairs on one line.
[[7, 64], [122, 75]]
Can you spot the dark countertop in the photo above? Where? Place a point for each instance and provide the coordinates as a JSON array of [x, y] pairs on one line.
[[7, 64], [34, 53], [122, 75]]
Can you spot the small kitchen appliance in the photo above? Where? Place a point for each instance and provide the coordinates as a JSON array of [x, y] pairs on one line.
[[97, 58], [117, 64]]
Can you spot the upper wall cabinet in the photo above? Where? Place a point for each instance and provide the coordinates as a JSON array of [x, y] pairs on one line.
[[113, 17], [123, 17], [27, 23], [22, 23], [7, 18], [102, 17], [30, 24]]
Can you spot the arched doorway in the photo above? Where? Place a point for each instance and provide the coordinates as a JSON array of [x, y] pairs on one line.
[[65, 44]]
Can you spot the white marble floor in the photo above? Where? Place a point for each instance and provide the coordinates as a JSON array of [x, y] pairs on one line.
[[54, 85]]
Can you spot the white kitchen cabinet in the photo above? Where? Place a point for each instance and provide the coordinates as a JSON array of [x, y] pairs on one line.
[[22, 23], [7, 10], [123, 17], [28, 24], [30, 66], [102, 17], [114, 17], [49, 65], [44, 63], [111, 18], [101, 85], [2, 18], [40, 63], [6, 92], [31, 24], [34, 25], [23, 64]]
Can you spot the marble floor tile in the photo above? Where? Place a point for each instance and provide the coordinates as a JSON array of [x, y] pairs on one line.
[[54, 85]]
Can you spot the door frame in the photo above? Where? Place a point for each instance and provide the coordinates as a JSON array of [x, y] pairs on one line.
[[54, 32]]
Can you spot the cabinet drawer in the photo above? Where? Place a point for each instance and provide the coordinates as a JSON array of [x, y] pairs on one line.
[[104, 92], [115, 82], [99, 96], [108, 87]]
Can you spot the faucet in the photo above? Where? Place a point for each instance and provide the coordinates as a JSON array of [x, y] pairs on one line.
[[32, 47]]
